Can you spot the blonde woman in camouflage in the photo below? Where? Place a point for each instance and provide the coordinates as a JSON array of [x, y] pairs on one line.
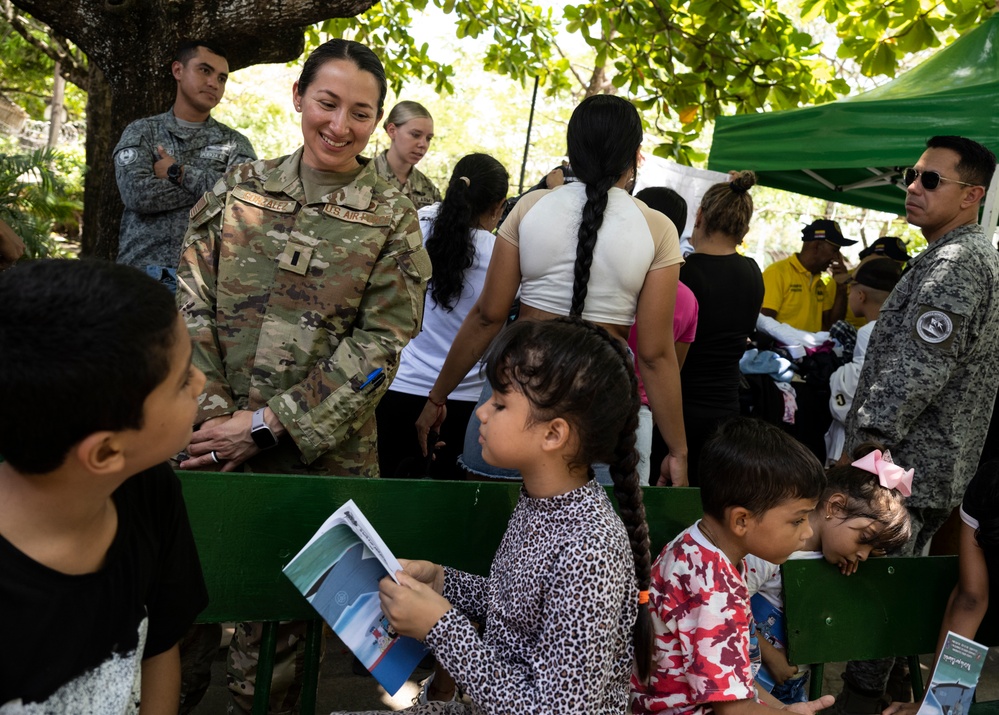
[[301, 280], [411, 128]]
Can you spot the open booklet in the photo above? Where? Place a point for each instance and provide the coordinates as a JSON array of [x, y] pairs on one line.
[[338, 572], [956, 676]]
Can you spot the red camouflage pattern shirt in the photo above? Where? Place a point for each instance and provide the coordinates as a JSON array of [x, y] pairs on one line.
[[700, 611]]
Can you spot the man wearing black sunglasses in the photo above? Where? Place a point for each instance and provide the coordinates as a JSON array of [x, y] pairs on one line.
[[930, 376]]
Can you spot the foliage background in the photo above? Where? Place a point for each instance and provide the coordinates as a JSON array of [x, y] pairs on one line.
[[682, 62]]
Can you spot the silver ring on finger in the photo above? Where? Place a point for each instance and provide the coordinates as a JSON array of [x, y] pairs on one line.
[[215, 457]]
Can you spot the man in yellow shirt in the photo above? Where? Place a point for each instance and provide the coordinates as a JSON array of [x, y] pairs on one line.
[[795, 292]]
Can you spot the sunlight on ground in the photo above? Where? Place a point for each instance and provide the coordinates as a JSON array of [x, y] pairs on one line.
[[404, 698]]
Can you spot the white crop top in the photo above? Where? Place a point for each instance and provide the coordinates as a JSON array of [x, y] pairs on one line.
[[632, 241]]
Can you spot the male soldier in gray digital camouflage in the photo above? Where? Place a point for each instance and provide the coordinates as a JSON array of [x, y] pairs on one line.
[[930, 377], [165, 163]]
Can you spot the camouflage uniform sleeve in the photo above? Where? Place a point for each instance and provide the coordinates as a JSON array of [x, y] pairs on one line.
[[141, 190], [332, 402], [200, 180], [244, 152], [927, 327], [196, 291]]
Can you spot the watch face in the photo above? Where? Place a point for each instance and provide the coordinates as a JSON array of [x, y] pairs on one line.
[[263, 437], [173, 172]]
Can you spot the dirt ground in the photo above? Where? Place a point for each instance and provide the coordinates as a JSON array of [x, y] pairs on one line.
[[341, 689]]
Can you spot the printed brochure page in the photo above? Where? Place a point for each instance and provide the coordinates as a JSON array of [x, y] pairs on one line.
[[955, 678], [338, 572]]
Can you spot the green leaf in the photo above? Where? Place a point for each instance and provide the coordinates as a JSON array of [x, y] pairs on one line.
[[811, 9]]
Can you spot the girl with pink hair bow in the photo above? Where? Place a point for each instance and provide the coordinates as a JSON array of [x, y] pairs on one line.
[[861, 513]]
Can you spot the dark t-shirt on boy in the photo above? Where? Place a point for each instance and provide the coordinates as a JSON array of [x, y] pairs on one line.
[[75, 643]]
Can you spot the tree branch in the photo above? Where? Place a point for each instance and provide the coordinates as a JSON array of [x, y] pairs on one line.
[[572, 69], [57, 48]]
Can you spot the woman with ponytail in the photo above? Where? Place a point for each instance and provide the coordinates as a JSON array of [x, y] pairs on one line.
[[729, 291], [458, 237], [585, 249]]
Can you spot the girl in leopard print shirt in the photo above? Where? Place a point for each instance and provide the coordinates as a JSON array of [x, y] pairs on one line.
[[565, 615]]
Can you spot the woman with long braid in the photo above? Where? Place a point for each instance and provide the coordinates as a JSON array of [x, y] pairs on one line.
[[584, 249]]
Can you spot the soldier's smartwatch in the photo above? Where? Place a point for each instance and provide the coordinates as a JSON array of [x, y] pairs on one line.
[[173, 173], [260, 432]]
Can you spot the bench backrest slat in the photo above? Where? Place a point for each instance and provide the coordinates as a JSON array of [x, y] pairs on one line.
[[248, 526], [890, 607]]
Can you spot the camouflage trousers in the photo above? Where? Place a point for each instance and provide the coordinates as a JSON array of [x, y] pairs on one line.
[[200, 644], [289, 661], [871, 676]]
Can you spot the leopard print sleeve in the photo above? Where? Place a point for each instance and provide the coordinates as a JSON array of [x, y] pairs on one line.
[[466, 592]]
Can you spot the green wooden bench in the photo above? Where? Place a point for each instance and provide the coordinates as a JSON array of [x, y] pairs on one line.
[[890, 607], [248, 527]]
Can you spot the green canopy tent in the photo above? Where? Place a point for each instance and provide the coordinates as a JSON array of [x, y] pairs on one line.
[[852, 150]]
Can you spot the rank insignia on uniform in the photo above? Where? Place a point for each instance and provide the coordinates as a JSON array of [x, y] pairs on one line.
[[196, 209], [295, 258]]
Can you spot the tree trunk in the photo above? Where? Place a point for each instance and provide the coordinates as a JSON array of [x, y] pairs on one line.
[[55, 107], [102, 205], [112, 110]]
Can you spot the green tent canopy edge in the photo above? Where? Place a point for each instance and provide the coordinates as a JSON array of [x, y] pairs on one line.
[[853, 150]]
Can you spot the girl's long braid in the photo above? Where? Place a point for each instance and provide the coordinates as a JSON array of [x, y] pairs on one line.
[[589, 225], [631, 507]]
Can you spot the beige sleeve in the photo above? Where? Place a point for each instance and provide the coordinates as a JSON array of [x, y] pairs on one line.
[[510, 230], [664, 236]]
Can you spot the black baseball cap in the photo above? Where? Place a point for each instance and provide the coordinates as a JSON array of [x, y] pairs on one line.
[[889, 247], [878, 273], [825, 230]]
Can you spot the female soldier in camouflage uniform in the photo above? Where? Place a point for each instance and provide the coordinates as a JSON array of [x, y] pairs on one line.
[[301, 280], [411, 128]]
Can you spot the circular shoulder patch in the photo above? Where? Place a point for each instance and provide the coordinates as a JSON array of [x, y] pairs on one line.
[[934, 326], [126, 156]]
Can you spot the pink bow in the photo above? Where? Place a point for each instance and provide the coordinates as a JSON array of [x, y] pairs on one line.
[[889, 474]]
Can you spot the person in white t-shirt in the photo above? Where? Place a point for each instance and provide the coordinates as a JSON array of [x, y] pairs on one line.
[[590, 250], [458, 234], [869, 288]]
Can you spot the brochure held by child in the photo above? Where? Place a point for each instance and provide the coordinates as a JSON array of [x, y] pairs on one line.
[[338, 573], [956, 676]]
